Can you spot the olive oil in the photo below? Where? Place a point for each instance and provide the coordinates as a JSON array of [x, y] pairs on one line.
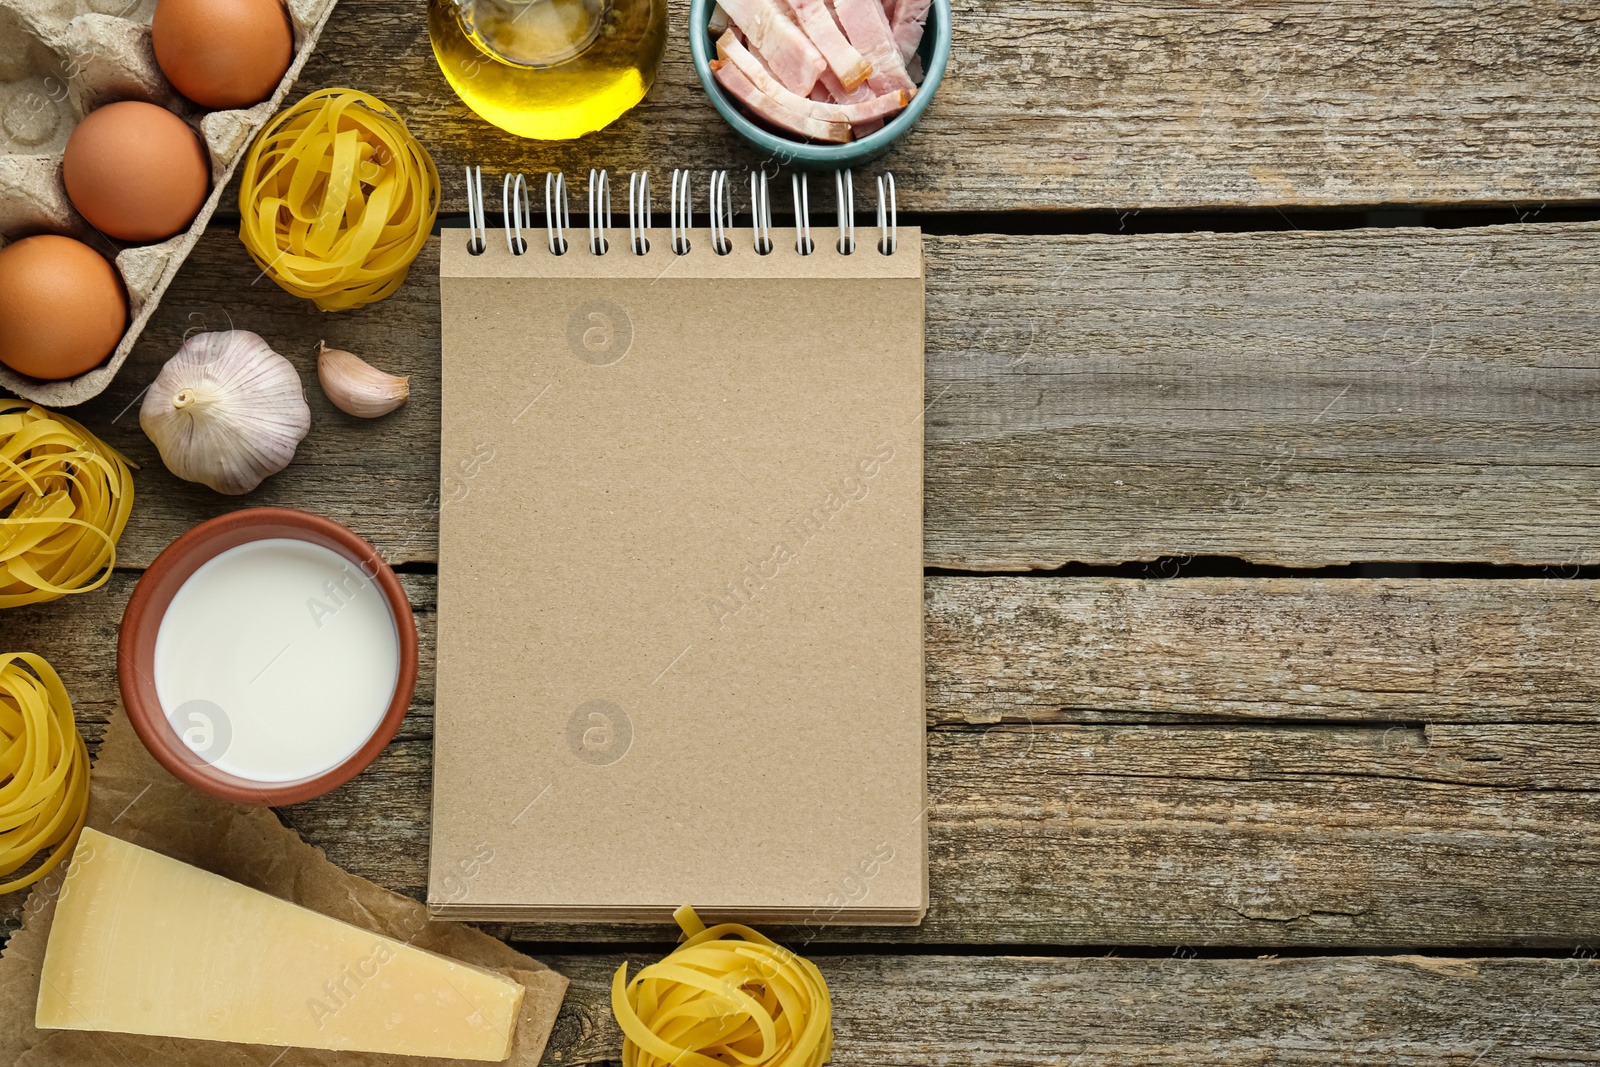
[[549, 69]]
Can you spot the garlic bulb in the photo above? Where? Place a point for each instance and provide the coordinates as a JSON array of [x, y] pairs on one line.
[[356, 386], [226, 411]]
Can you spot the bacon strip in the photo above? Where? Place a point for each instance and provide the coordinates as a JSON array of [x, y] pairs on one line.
[[867, 28], [838, 94], [873, 107], [844, 60], [908, 21], [733, 80], [774, 35]]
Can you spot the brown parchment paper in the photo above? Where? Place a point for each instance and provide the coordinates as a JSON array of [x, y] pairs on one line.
[[133, 797]]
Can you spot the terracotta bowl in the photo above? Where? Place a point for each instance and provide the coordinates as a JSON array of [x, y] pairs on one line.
[[136, 648]]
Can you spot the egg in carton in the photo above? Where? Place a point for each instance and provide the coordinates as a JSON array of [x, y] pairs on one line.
[[61, 59]]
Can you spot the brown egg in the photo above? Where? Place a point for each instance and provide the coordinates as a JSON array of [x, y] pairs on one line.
[[223, 53], [62, 308], [136, 171]]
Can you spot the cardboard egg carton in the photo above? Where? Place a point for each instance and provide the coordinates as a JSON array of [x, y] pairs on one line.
[[61, 59]]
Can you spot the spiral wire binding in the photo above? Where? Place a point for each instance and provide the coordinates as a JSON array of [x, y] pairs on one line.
[[557, 215], [888, 217], [721, 213], [599, 211], [844, 190], [681, 212], [478, 242], [761, 212], [518, 211], [800, 185], [639, 212]]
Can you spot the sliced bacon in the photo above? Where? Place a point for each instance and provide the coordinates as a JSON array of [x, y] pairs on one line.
[[867, 28], [908, 21], [733, 80], [772, 32], [859, 95], [840, 95], [873, 107], [844, 60], [719, 21]]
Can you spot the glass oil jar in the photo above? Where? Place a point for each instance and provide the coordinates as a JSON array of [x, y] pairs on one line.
[[549, 69]]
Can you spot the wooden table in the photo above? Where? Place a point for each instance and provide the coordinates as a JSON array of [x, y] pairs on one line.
[[1240, 751]]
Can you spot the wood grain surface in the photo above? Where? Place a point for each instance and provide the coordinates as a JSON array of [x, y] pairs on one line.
[[1131, 105], [1231, 766], [1288, 398], [953, 1011], [1025, 650], [1161, 835], [1469, 825], [1039, 651]]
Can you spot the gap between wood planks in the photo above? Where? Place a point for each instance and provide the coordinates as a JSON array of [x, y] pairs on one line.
[[837, 949], [1130, 221], [1138, 221], [1168, 567]]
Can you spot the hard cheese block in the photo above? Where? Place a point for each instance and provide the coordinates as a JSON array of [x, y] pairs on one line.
[[143, 944]]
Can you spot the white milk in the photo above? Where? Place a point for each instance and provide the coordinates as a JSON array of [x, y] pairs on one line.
[[277, 660]]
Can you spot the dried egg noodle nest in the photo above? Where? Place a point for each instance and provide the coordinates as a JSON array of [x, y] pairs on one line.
[[44, 768], [337, 199], [64, 499], [717, 1002]]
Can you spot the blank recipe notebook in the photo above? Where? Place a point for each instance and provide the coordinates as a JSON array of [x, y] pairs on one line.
[[680, 583]]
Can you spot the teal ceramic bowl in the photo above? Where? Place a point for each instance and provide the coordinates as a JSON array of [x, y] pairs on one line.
[[935, 53]]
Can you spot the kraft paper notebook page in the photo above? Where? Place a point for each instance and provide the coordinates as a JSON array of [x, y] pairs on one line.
[[680, 583]]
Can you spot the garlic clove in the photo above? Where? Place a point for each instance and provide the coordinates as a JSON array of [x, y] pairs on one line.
[[356, 386], [226, 411]]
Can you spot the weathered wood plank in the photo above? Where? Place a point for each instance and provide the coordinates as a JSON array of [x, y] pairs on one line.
[[1402, 1011], [1373, 833], [1293, 398], [1128, 105], [1032, 650], [1217, 835], [1027, 650], [1289, 398], [1459, 837]]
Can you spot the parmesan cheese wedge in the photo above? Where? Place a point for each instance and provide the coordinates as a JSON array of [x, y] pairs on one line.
[[143, 944]]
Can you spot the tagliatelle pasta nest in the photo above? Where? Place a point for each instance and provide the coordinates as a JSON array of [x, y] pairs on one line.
[[337, 198], [726, 997], [64, 500], [44, 768]]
